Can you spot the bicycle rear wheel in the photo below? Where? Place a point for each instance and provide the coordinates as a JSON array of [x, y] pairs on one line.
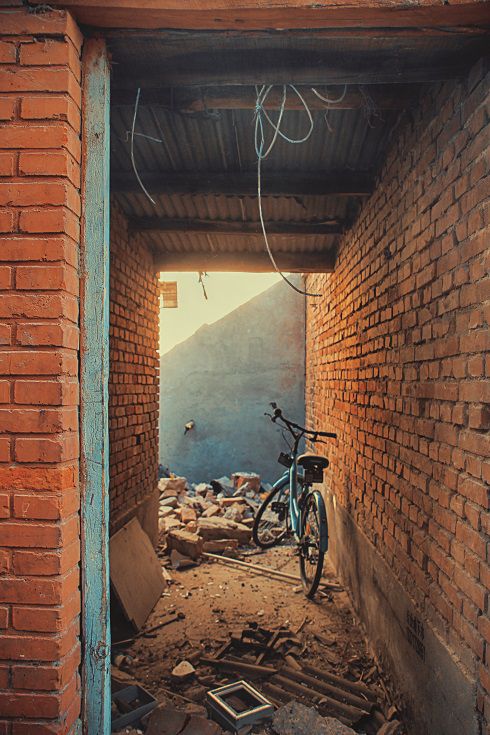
[[271, 522], [311, 553]]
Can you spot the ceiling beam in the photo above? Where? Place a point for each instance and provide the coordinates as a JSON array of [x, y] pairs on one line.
[[263, 14], [200, 99], [234, 227], [252, 262], [289, 66], [280, 184]]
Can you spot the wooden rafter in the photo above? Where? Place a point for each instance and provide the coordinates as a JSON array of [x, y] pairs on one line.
[[253, 262], [284, 183], [234, 227]]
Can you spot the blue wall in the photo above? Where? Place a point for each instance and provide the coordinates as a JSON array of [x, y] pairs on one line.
[[223, 377]]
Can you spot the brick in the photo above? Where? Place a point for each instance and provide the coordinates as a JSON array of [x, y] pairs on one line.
[[5, 336], [57, 107], [50, 52], [37, 362], [41, 248], [50, 220], [38, 305], [55, 164], [5, 277], [31, 194], [4, 506], [45, 563], [46, 392], [8, 52], [7, 108], [49, 136], [47, 278], [59, 449], [46, 677], [7, 162], [46, 620], [36, 535]]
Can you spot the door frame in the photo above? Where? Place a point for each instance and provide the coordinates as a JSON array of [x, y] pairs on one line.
[[94, 383]]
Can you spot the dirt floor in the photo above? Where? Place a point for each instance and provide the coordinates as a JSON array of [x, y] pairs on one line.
[[217, 601]]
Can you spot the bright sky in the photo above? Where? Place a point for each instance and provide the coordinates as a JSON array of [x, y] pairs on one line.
[[226, 291]]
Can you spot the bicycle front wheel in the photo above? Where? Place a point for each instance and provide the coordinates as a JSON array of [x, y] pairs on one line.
[[311, 545], [271, 522]]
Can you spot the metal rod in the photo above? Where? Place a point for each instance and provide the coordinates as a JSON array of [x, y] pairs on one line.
[[352, 686], [256, 567], [329, 689]]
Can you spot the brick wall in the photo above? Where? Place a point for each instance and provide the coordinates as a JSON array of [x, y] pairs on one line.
[[39, 494], [133, 382], [396, 365]]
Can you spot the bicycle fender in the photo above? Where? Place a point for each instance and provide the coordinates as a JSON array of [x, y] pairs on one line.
[[320, 503], [283, 480]]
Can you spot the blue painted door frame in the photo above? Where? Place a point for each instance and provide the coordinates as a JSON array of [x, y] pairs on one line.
[[94, 379]]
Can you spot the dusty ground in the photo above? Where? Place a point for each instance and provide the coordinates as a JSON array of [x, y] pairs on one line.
[[218, 600]]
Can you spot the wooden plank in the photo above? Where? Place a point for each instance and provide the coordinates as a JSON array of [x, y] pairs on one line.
[[292, 66], [280, 184], [233, 227], [201, 99], [94, 376], [322, 261], [136, 573], [261, 14]]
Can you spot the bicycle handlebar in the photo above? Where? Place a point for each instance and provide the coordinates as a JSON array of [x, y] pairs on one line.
[[291, 425]]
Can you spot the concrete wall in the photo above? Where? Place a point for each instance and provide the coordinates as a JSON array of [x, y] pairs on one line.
[[224, 377], [395, 365]]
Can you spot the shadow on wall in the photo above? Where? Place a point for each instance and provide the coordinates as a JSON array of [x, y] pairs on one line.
[[223, 378]]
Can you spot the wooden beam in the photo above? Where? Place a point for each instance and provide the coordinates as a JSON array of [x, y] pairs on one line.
[[280, 184], [233, 227], [262, 14], [251, 262], [296, 66], [201, 99]]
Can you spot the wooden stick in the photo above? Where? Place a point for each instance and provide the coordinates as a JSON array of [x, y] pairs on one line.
[[352, 686], [253, 567], [230, 665], [329, 689]]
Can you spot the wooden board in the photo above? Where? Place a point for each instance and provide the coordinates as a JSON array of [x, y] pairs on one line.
[[136, 573]]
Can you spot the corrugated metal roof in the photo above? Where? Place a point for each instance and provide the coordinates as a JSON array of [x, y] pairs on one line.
[[222, 141]]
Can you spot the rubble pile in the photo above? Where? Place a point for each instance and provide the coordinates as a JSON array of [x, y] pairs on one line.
[[215, 517]]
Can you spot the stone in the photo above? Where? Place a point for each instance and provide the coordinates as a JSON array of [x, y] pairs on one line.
[[213, 510], [183, 671], [169, 502], [188, 514], [187, 543], [234, 513], [166, 512], [203, 489], [179, 561], [172, 486], [251, 479], [201, 726], [168, 524], [218, 546], [219, 528], [226, 502], [166, 721], [297, 719]]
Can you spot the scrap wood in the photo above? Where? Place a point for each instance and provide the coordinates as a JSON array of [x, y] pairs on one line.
[[353, 686], [143, 633], [329, 689], [228, 664], [346, 713], [259, 568]]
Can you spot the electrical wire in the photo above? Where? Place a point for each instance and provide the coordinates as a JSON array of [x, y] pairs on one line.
[[133, 162], [262, 153], [328, 100]]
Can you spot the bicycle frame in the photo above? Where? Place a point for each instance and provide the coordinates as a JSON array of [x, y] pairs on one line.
[[290, 477]]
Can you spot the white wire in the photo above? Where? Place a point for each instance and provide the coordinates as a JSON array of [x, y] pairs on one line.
[[259, 148], [327, 99], [133, 162]]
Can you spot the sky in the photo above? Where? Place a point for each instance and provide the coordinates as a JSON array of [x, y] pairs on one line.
[[226, 291]]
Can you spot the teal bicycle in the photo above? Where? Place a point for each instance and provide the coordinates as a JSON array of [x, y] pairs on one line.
[[293, 508]]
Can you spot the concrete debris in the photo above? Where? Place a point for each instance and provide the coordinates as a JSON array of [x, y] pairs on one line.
[[186, 543], [297, 719], [219, 528], [250, 479], [183, 671], [220, 546]]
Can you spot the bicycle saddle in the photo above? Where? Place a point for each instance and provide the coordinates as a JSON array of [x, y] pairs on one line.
[[312, 461]]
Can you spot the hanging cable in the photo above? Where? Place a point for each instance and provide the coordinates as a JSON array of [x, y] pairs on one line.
[[262, 153], [133, 162], [328, 100]]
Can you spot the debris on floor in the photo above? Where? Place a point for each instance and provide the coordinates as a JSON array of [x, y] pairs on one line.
[[233, 648]]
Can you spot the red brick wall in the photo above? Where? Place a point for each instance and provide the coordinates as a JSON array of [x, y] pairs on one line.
[[39, 493], [396, 365], [133, 382]]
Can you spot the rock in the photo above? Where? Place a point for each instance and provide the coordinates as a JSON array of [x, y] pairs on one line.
[[251, 479], [213, 510], [166, 721], [183, 671], [297, 719], [179, 561], [223, 485], [218, 546], [201, 726], [169, 502], [220, 528], [166, 512], [172, 486], [188, 514], [191, 527], [202, 489], [234, 513], [168, 524], [226, 502], [187, 543]]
